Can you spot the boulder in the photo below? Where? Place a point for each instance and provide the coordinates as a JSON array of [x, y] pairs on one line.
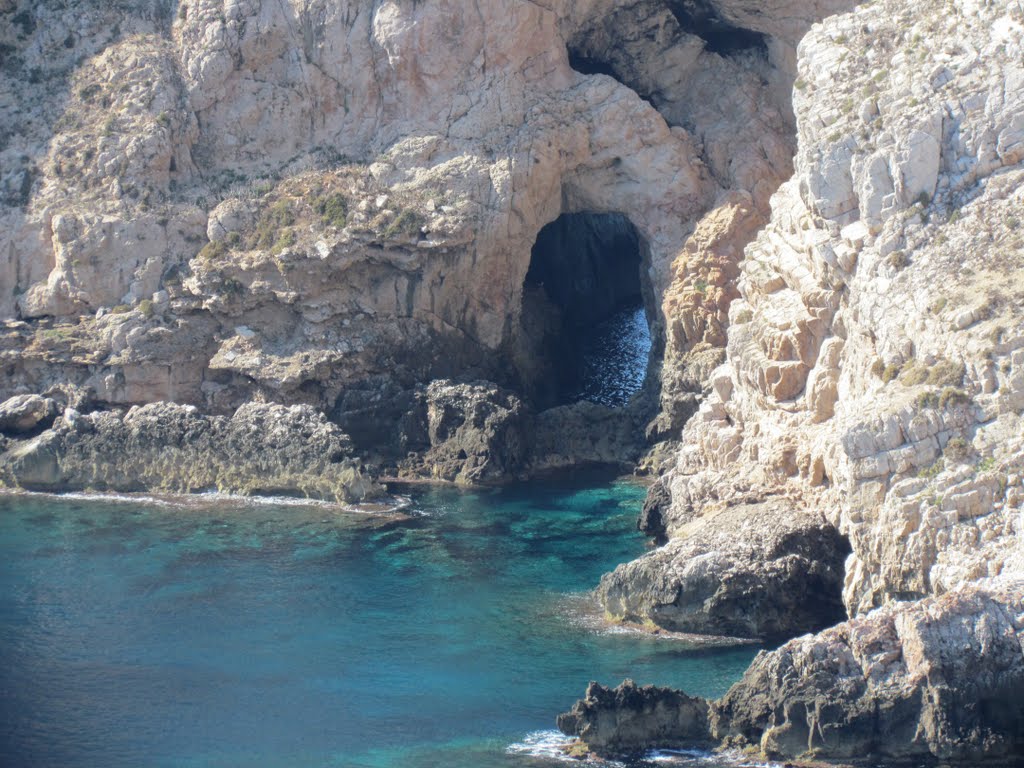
[[630, 719], [935, 679], [939, 678], [476, 432], [26, 413], [764, 570]]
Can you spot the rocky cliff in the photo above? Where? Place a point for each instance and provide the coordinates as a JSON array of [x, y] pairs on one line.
[[345, 205], [872, 386], [335, 203]]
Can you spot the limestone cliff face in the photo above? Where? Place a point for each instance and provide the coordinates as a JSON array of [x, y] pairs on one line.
[[330, 202], [333, 203], [873, 385], [874, 354]]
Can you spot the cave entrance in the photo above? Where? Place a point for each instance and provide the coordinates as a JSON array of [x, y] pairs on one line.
[[585, 326]]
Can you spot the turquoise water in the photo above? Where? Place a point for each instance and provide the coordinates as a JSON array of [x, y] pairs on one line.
[[230, 633]]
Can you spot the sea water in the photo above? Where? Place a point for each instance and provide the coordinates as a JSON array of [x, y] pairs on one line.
[[613, 358], [231, 633]]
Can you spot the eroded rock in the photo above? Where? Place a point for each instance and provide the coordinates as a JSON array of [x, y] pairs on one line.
[[629, 719], [260, 449], [24, 413], [754, 571], [938, 678]]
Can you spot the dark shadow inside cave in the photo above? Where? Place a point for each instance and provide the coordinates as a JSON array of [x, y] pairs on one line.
[[699, 17], [584, 324]]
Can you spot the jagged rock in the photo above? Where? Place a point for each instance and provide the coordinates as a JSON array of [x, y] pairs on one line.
[[586, 433], [261, 449], [24, 413], [755, 571], [651, 520], [630, 719], [873, 369], [938, 678], [476, 432]]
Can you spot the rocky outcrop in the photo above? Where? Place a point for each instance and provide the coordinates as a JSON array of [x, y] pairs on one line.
[[474, 433], [630, 719], [939, 678], [755, 571], [860, 383], [933, 679], [871, 381], [25, 413], [322, 203], [477, 432], [260, 449]]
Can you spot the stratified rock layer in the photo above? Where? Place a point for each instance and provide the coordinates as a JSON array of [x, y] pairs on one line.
[[261, 449], [874, 356], [873, 380], [937, 678]]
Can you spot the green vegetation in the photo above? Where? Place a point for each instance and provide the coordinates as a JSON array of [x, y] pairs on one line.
[[987, 464], [957, 449], [333, 209], [213, 251], [285, 239], [146, 308], [946, 398], [274, 219], [944, 373], [407, 223], [897, 260]]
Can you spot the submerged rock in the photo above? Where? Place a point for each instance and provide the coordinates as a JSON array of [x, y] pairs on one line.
[[261, 449], [630, 719]]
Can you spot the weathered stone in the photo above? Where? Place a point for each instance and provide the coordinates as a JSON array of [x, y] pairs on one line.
[[24, 413], [765, 571], [476, 432], [630, 719], [939, 678], [261, 449]]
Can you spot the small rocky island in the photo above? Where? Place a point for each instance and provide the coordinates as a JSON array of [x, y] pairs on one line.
[[310, 247]]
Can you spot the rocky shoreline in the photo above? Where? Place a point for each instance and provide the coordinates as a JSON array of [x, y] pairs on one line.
[[815, 205], [260, 449], [938, 679]]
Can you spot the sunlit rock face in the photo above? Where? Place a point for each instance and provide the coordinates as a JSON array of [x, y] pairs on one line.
[[870, 382], [359, 187]]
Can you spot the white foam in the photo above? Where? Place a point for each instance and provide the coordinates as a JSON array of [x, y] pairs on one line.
[[387, 505], [117, 498], [551, 745]]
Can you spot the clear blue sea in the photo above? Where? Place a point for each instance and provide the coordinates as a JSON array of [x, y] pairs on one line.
[[232, 633]]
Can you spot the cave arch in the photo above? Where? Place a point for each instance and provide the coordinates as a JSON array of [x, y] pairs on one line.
[[587, 312]]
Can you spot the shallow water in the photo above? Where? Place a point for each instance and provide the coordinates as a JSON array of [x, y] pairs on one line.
[[235, 634]]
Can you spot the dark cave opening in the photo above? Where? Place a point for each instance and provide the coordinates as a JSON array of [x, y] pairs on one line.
[[587, 65], [585, 330], [699, 17]]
